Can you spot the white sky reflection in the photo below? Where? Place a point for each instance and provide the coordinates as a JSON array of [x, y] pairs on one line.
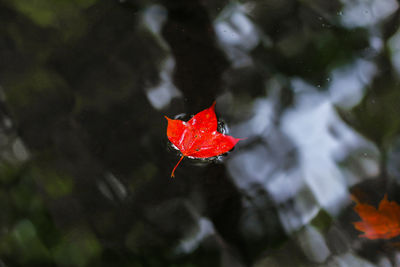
[[363, 13]]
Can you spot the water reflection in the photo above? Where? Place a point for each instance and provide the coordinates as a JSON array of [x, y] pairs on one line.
[[85, 162], [161, 95], [366, 13], [394, 47], [349, 83]]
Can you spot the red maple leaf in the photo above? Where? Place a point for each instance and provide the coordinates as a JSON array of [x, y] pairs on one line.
[[381, 223], [198, 138]]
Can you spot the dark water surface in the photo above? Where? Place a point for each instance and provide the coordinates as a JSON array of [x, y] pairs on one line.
[[85, 162]]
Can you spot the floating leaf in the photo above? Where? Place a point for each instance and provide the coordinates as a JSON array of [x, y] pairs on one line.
[[381, 223], [198, 138]]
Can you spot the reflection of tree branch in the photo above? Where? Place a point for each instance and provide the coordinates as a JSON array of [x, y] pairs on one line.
[[382, 163], [392, 25], [199, 62]]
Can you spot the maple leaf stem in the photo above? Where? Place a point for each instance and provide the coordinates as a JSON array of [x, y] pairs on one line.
[[172, 174]]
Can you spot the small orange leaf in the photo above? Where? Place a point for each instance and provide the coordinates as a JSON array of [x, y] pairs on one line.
[[381, 223]]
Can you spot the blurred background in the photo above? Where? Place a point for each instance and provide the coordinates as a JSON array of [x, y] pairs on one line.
[[85, 163]]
